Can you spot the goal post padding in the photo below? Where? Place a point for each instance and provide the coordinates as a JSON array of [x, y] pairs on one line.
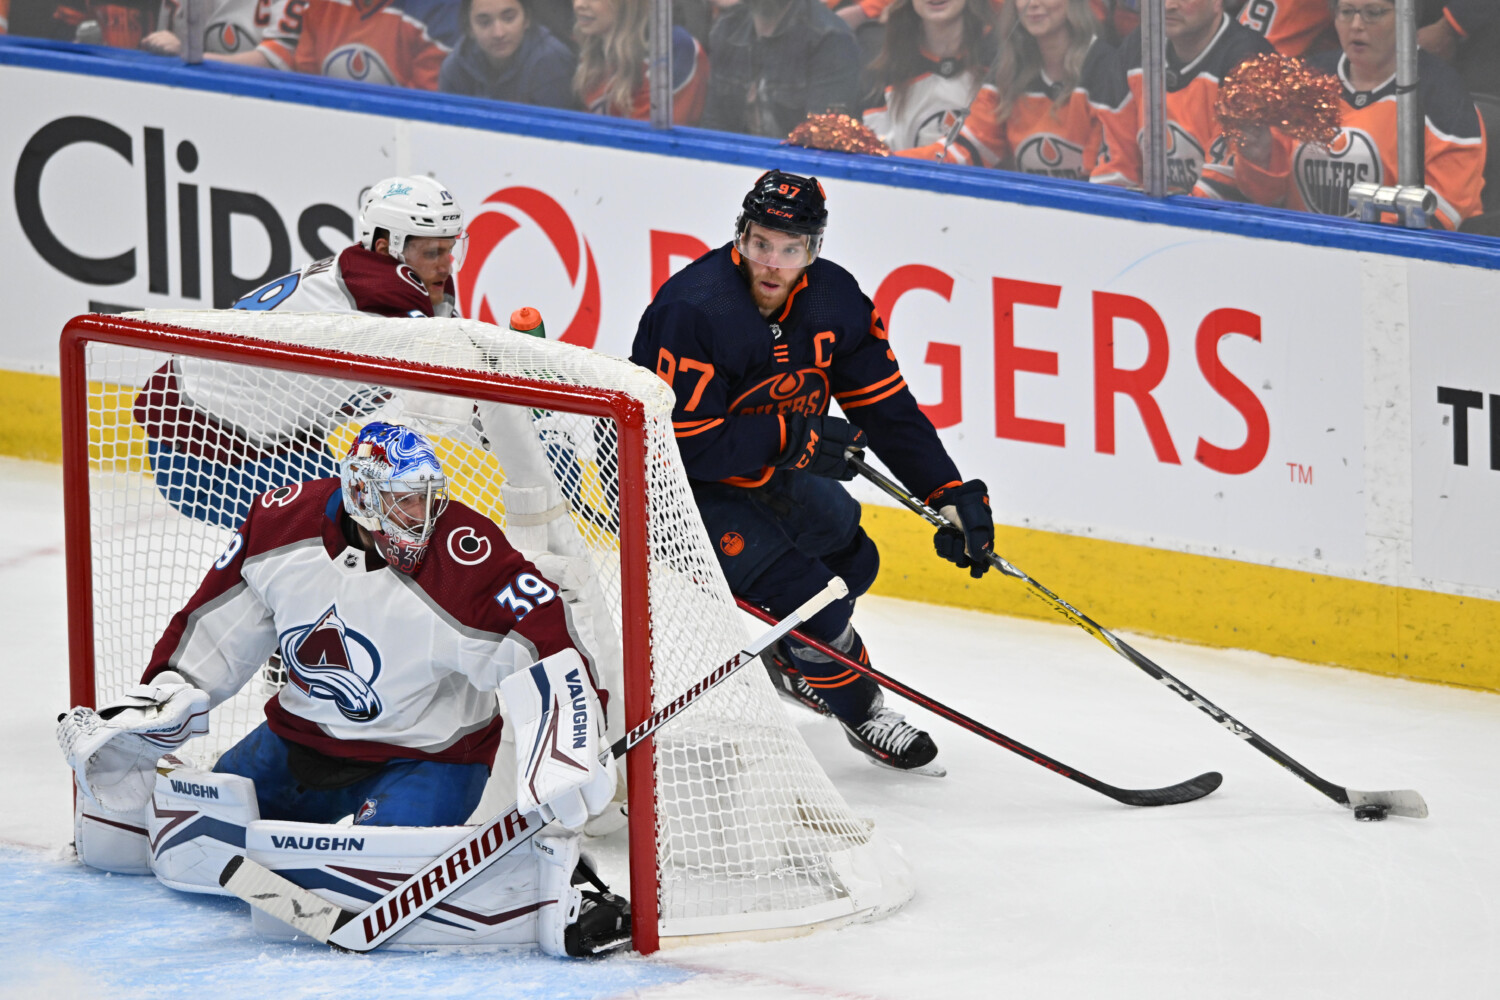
[[734, 828]]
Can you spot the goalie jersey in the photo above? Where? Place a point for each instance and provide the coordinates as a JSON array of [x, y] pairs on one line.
[[380, 665]]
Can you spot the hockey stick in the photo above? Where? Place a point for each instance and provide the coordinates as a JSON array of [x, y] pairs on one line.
[[1185, 791], [321, 920], [1366, 805]]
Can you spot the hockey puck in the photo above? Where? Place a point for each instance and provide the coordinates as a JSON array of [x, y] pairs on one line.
[[1369, 813]]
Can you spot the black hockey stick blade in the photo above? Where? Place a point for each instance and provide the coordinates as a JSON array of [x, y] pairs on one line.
[[1185, 791]]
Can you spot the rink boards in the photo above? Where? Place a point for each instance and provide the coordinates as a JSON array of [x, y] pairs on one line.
[[1188, 428]]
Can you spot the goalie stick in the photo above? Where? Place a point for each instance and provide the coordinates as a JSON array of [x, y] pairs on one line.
[[324, 921], [1186, 791], [1366, 805]]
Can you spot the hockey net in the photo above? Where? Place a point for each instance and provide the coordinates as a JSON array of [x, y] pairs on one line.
[[174, 421]]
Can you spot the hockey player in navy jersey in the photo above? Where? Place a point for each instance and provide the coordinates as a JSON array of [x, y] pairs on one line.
[[397, 614], [755, 339]]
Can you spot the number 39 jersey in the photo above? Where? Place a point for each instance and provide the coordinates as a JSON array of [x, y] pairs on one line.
[[380, 665]]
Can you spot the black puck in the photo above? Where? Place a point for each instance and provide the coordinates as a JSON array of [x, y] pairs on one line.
[[1369, 813]]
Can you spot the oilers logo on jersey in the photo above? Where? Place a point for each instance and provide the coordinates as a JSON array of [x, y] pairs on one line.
[[803, 391], [228, 37], [359, 63], [1051, 156], [329, 661], [1185, 158], [1324, 175]]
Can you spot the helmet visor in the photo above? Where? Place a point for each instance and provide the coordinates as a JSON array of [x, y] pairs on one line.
[[774, 248], [432, 249]]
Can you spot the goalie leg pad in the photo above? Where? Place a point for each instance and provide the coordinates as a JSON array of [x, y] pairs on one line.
[[196, 822], [109, 839], [526, 898]]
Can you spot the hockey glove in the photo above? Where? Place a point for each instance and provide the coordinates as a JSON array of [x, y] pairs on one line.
[[967, 506], [819, 445], [114, 751], [559, 725]]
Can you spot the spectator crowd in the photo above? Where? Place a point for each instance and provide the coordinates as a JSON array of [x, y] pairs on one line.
[[1050, 87]]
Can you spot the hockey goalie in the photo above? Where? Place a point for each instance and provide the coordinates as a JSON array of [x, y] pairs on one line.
[[397, 614]]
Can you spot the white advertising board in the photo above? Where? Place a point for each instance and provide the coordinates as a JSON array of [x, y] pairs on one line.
[[1189, 390]]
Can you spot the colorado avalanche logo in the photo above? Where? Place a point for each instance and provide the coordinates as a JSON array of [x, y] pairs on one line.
[[1324, 175], [329, 661], [518, 228], [804, 391], [1050, 156], [359, 63]]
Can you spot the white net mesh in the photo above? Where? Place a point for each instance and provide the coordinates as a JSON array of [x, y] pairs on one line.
[[750, 833]]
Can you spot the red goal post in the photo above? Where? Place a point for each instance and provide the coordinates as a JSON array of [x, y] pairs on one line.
[[734, 830]]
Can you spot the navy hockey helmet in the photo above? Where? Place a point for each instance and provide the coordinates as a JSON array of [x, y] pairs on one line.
[[790, 203]]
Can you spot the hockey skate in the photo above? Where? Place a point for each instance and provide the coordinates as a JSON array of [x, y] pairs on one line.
[[890, 741], [790, 683], [603, 922]]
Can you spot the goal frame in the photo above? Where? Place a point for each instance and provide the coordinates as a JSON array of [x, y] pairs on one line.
[[627, 413]]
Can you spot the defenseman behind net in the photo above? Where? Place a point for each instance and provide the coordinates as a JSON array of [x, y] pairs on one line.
[[754, 338], [398, 614]]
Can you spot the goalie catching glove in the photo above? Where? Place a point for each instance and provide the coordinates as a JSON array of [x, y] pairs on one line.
[[114, 751], [559, 725], [967, 508]]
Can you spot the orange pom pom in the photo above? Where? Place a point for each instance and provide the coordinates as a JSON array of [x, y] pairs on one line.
[[1276, 90], [839, 133]]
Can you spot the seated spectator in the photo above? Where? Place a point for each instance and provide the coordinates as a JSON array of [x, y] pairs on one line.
[[388, 44], [1203, 46], [613, 62], [119, 24], [1035, 114], [935, 55], [234, 32], [1274, 171], [1293, 27], [506, 56], [776, 62]]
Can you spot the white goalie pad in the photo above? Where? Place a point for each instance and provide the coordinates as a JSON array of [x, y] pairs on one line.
[[525, 898], [196, 822], [559, 724]]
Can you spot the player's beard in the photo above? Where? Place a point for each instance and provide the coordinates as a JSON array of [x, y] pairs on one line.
[[768, 302]]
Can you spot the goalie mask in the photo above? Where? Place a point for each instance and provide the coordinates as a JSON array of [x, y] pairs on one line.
[[394, 487], [411, 206]]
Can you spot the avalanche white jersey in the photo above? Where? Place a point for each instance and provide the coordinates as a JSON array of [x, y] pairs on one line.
[[380, 665], [354, 280]]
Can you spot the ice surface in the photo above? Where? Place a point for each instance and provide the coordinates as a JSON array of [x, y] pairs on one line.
[[1028, 884]]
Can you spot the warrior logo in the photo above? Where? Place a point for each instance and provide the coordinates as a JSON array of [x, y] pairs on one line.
[[804, 391], [1324, 175], [359, 63], [329, 661], [516, 242], [1050, 156]]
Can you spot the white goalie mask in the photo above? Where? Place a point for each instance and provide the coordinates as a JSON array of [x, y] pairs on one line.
[[411, 206], [394, 487]]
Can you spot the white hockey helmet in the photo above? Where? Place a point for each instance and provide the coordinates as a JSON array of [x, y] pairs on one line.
[[410, 206]]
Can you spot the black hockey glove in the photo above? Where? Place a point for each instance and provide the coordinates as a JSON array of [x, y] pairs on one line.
[[967, 506], [818, 445]]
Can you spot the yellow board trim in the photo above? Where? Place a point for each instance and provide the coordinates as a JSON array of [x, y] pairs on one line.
[[1397, 631], [1208, 601]]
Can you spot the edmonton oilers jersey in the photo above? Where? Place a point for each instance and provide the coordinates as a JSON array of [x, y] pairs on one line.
[[738, 374]]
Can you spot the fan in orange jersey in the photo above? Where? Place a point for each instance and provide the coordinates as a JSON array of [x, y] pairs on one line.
[[1294, 27], [370, 41], [1203, 46], [934, 56], [612, 76], [1276, 171], [1038, 114]]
